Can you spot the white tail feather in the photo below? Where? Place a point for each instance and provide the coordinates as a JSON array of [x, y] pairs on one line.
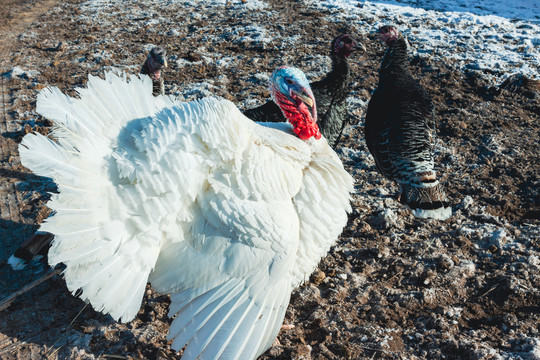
[[104, 256], [45, 158]]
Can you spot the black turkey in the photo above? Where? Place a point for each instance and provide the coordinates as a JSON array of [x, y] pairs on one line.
[[400, 130], [330, 93], [156, 60]]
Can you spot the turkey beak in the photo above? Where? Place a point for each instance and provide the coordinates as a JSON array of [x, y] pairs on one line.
[[306, 96], [162, 60], [359, 46]]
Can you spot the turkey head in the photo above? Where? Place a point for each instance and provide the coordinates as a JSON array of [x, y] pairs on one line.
[[344, 45], [389, 34], [157, 59], [291, 92]]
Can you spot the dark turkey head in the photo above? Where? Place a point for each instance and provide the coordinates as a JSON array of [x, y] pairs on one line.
[[157, 59], [389, 34], [344, 45]]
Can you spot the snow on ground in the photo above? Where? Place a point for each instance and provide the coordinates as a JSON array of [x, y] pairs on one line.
[[475, 34], [495, 37], [510, 9]]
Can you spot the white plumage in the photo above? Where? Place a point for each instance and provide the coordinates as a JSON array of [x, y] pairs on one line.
[[225, 214]]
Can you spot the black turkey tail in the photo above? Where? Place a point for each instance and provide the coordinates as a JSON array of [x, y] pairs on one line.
[[426, 200], [37, 244]]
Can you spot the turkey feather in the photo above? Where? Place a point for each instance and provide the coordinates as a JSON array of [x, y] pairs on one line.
[[225, 214], [399, 131]]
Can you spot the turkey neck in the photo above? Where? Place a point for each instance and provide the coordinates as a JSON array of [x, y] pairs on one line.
[[395, 59], [338, 78], [145, 68], [148, 70]]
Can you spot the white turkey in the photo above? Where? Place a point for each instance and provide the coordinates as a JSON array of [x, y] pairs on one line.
[[400, 130], [225, 214]]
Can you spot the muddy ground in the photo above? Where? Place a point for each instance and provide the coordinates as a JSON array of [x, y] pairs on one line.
[[393, 287]]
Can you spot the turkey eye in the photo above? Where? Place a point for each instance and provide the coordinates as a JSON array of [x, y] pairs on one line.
[[289, 81]]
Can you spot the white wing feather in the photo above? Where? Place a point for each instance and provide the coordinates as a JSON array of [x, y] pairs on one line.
[[224, 214], [239, 248], [322, 205]]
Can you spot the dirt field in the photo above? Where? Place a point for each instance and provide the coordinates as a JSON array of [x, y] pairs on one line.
[[393, 287]]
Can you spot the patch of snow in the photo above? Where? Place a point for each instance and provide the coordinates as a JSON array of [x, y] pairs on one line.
[[227, 61], [499, 238], [388, 218], [19, 72], [535, 348], [465, 269], [148, 47], [349, 154], [511, 9], [240, 4], [483, 41], [467, 202], [534, 260], [193, 91], [262, 77], [454, 312], [184, 62]]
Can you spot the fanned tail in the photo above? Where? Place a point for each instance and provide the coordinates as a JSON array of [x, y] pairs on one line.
[[105, 256]]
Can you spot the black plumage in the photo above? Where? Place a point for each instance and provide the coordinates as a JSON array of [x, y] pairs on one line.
[[400, 131], [155, 62], [36, 245], [330, 94]]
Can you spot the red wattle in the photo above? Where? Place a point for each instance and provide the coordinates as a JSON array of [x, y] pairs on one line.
[[305, 132], [299, 117]]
